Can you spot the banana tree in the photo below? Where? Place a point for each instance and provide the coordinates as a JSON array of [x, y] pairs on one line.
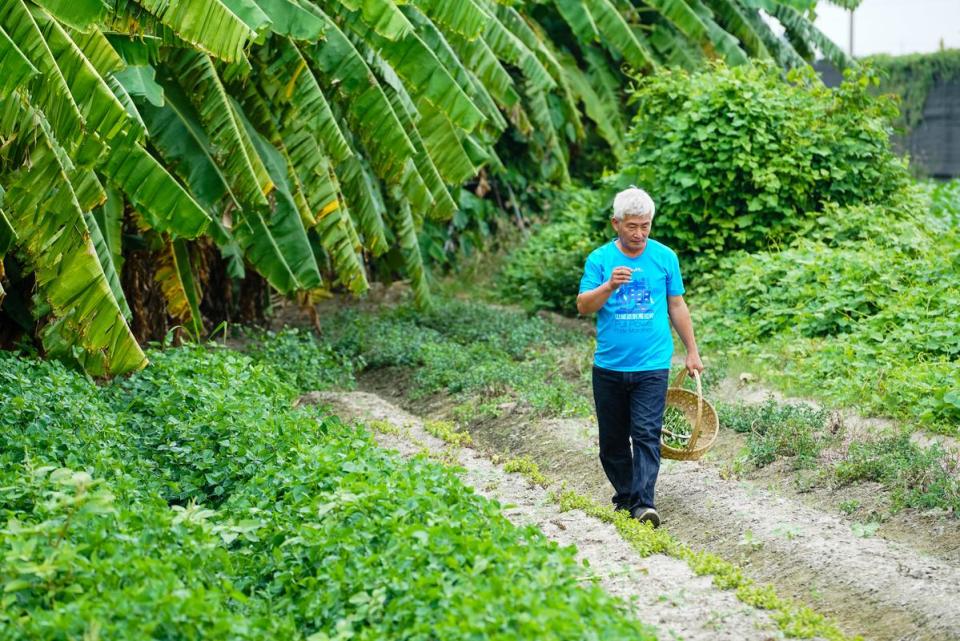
[[306, 139]]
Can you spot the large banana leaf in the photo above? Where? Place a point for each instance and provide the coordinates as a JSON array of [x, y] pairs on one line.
[[383, 16], [210, 25], [110, 269], [198, 77], [576, 14], [16, 68], [288, 82], [802, 30], [367, 107], [289, 18], [275, 240], [47, 216], [166, 205], [48, 89], [464, 17], [179, 287], [412, 258], [618, 34], [731, 17], [79, 14], [425, 77]]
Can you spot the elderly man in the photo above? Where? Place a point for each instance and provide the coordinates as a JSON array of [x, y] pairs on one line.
[[634, 283]]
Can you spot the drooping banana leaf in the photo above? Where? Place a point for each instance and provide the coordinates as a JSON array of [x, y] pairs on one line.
[[110, 269], [577, 16], [425, 76], [466, 18], [799, 29], [179, 287], [166, 205], [16, 68], [384, 16], [731, 17], [275, 240], [618, 34], [289, 18], [48, 89], [367, 108], [210, 25], [53, 234], [79, 14], [197, 75]]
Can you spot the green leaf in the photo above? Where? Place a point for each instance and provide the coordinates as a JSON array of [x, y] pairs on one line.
[[140, 81], [464, 17], [78, 14], [47, 216], [209, 24], [576, 14], [289, 18], [342, 66], [105, 256], [248, 177], [383, 16], [618, 34], [166, 205], [16, 68]]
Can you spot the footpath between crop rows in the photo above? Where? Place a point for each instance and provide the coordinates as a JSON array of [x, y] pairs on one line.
[[812, 559]]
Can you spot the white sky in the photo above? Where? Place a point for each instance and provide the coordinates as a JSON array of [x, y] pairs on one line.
[[893, 26]]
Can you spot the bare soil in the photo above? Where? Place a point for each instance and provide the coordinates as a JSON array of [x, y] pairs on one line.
[[885, 588]]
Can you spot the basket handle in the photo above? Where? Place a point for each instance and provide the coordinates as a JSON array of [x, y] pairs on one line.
[[699, 422]]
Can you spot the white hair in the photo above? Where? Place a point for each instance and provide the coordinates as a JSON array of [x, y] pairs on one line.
[[632, 202]]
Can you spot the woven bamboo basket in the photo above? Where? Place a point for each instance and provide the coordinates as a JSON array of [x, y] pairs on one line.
[[699, 413]]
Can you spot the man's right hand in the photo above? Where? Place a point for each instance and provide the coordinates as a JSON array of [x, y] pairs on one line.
[[619, 276]]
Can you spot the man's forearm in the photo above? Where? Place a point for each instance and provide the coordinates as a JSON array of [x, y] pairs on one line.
[[680, 317], [590, 301]]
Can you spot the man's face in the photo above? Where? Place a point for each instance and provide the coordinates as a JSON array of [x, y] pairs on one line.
[[633, 231]]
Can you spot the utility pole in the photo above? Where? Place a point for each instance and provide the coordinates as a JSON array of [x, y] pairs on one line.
[[851, 32]]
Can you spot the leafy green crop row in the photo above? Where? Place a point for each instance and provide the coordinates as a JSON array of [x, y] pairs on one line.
[[191, 501]]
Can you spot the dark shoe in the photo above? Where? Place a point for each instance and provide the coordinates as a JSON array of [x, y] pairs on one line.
[[621, 508], [646, 514]]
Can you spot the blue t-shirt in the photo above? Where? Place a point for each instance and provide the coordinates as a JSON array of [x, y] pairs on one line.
[[633, 327]]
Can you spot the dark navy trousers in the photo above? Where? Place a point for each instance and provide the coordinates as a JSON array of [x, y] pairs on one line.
[[630, 409]]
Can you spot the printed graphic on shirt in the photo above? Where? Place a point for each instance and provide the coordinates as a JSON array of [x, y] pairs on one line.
[[633, 301]]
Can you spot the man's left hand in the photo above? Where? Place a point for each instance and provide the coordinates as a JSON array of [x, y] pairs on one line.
[[694, 364]]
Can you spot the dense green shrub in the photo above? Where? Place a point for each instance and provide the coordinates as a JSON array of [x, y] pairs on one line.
[[866, 321], [544, 272], [737, 157], [191, 501]]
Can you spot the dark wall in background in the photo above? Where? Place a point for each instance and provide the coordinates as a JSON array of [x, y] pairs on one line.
[[934, 144]]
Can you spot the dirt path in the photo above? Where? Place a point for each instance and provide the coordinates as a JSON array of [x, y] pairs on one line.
[[872, 586], [661, 590]]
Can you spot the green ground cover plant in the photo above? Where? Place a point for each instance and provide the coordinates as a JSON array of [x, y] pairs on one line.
[[192, 501], [470, 350]]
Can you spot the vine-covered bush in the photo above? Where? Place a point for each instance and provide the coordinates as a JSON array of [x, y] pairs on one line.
[[737, 157]]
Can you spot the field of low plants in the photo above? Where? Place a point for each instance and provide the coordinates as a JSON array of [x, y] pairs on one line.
[[191, 501], [412, 187]]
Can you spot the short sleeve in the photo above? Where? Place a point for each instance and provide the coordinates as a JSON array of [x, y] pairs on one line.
[[592, 274], [674, 279]]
